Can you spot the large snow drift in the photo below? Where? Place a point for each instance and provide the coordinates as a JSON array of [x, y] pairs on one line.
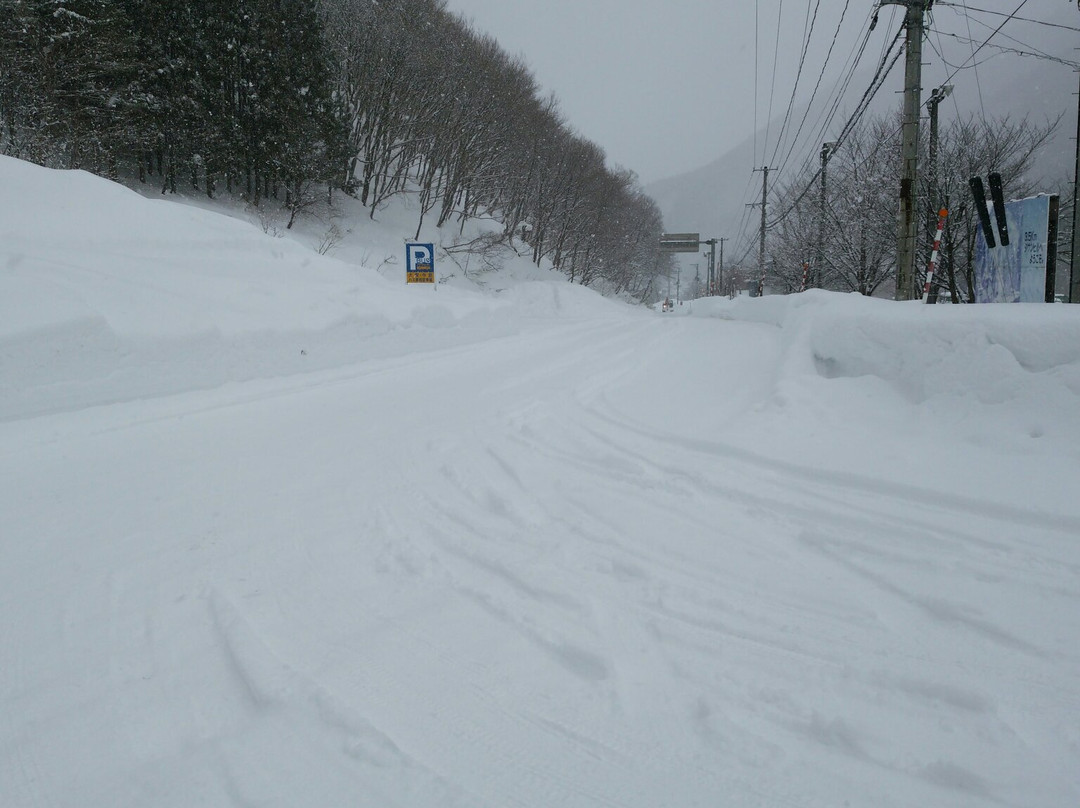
[[277, 531]]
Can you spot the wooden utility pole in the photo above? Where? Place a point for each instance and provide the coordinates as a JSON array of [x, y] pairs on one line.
[[720, 269], [761, 249], [817, 277], [1074, 281], [907, 219], [712, 266]]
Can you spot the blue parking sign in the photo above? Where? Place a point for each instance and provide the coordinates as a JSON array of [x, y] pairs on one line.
[[419, 263]]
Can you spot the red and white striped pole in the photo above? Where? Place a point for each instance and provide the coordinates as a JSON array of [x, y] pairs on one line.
[[933, 256], [805, 272]]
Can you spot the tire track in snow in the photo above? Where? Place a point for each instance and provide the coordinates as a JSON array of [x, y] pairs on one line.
[[273, 689], [599, 449], [880, 514], [913, 497]]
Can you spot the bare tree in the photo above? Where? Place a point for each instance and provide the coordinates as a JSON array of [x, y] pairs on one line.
[[860, 211], [972, 148]]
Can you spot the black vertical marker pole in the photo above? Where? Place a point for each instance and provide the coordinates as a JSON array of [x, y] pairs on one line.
[[979, 193], [999, 207]]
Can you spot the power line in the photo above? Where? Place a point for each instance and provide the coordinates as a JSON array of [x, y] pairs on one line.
[[987, 40], [940, 51], [1033, 50], [757, 3], [772, 84], [978, 83], [968, 8], [1003, 49], [817, 85], [879, 78], [832, 103], [740, 231], [808, 34], [841, 87]]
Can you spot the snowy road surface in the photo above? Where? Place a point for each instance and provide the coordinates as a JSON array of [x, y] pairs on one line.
[[554, 553]]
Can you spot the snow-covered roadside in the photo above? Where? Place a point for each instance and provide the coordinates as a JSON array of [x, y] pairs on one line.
[[914, 394], [277, 531], [108, 296]]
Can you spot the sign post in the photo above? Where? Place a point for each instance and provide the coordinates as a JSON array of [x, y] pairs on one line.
[[927, 296], [419, 263], [680, 242], [691, 242]]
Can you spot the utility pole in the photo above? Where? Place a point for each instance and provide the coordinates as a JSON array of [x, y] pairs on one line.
[[764, 206], [937, 95], [1074, 280], [818, 276], [720, 270], [712, 265], [907, 221]]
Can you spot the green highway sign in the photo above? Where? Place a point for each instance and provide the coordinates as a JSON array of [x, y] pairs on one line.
[[680, 242]]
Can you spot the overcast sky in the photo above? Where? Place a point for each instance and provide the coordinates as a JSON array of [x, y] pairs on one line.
[[666, 86]]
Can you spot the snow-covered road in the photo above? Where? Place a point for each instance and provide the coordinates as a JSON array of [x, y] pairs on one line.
[[516, 573], [552, 551]]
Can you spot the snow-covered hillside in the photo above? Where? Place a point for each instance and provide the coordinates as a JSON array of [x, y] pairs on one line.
[[278, 530]]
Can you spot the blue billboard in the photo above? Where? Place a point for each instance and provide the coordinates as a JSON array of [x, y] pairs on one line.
[[1023, 270]]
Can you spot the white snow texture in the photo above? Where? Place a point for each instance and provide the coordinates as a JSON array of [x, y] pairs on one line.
[[278, 530]]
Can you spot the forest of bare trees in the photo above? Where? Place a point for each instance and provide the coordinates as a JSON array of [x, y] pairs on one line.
[[856, 237], [282, 102]]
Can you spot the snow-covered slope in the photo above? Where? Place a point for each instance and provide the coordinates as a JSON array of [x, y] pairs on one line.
[[279, 531], [109, 295]]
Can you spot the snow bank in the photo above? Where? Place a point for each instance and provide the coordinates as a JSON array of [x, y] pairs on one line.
[[548, 299], [107, 295], [935, 357], [924, 351], [967, 399], [77, 246]]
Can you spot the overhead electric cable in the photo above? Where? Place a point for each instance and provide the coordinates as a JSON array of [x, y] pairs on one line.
[[841, 88], [817, 84], [756, 5], [1034, 52], [743, 220], [968, 8], [875, 84], [978, 83], [833, 100], [940, 51], [772, 84], [987, 40], [808, 33], [1032, 48]]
